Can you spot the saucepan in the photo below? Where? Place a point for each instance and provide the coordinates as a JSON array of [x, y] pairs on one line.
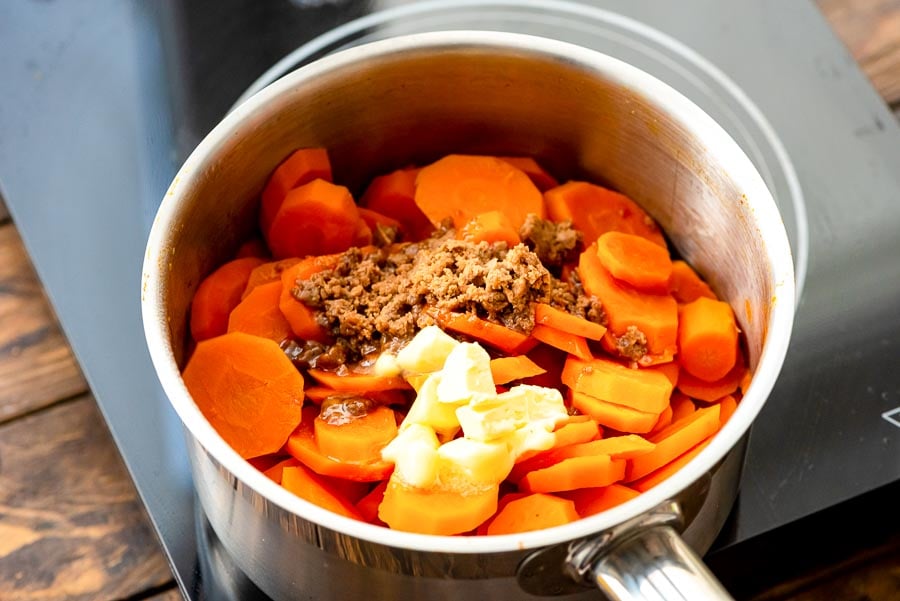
[[409, 100]]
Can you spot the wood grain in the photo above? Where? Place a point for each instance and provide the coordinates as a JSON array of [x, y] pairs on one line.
[[71, 525], [172, 594], [37, 367]]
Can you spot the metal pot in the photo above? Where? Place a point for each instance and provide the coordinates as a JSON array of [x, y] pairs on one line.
[[409, 100]]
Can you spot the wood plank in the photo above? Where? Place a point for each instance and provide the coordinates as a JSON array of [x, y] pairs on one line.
[[71, 525], [37, 367], [172, 594], [869, 29]]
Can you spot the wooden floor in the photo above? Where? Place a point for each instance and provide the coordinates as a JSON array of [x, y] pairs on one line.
[[71, 526]]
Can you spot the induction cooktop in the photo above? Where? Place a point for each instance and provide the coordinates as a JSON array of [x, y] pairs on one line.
[[103, 100]]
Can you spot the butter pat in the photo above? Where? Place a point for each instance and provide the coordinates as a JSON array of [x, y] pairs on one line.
[[414, 453], [428, 411], [386, 366], [532, 409], [466, 375], [427, 351]]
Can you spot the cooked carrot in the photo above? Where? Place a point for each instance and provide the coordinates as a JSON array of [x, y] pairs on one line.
[[635, 261], [596, 210], [642, 389], [653, 478], [267, 272], [317, 218], [463, 186], [302, 167], [549, 359], [441, 512], [359, 439], [665, 418], [682, 405], [670, 370], [686, 286], [509, 369], [591, 501], [353, 382], [617, 447], [377, 222], [570, 343], [491, 227], [307, 485], [248, 389], [368, 505], [539, 176], [727, 407], [393, 195], [258, 314], [301, 318], [273, 473], [533, 512], [678, 438], [302, 445], [550, 316], [217, 295], [577, 429], [351, 490], [492, 334], [576, 472], [710, 392], [707, 338], [363, 234], [655, 315], [617, 417], [504, 500], [254, 247]]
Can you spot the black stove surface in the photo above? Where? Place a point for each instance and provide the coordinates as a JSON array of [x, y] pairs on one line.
[[103, 100]]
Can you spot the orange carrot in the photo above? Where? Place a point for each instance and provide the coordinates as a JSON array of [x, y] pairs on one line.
[[533, 512], [491, 227], [617, 447], [353, 382], [712, 391], [678, 438], [665, 418], [254, 247], [682, 405], [655, 315], [707, 339], [442, 512], [393, 195], [576, 472], [317, 394], [550, 359], [509, 369], [258, 314], [686, 286], [550, 316], [642, 389], [368, 505], [635, 261], [652, 479], [248, 389], [463, 186], [274, 472], [359, 439], [267, 272], [617, 417], [595, 210], [591, 501], [218, 294], [570, 343], [578, 429], [539, 176], [727, 407], [375, 220], [504, 500], [302, 167], [493, 334], [307, 485], [301, 318], [317, 218], [670, 370]]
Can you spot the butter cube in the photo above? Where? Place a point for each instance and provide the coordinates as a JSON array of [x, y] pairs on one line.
[[427, 351], [468, 461], [427, 410], [466, 375], [386, 366], [414, 453]]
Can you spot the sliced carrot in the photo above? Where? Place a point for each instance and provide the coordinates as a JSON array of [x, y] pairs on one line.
[[635, 260], [273, 473], [549, 359], [393, 195], [368, 505], [363, 234], [218, 294], [646, 390], [301, 318], [570, 343], [463, 186], [656, 315], [727, 407], [490, 227], [591, 501], [710, 392], [670, 370], [441, 512], [617, 417], [509, 369], [596, 210], [539, 176], [254, 247], [558, 319], [533, 512], [317, 218], [317, 394], [578, 429], [617, 447], [267, 272], [707, 338], [248, 389], [504, 500], [360, 439], [258, 314], [302, 167], [665, 418], [577, 472], [686, 286], [307, 485], [652, 479], [353, 382], [678, 438], [375, 220], [493, 334], [682, 405]]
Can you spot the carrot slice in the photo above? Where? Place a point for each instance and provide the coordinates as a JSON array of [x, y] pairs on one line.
[[550, 359], [442, 512], [463, 186], [539, 176], [376, 222], [315, 219], [635, 261], [727, 407], [254, 247], [509, 369], [686, 286], [558, 319], [591, 501], [258, 314], [710, 392], [360, 439], [576, 472], [652, 479], [617, 417], [570, 343], [393, 195], [301, 318], [533, 512], [578, 429], [678, 438], [596, 210], [368, 505], [302, 167], [682, 405], [646, 390], [274, 472], [307, 485], [707, 338], [670, 370], [248, 389], [665, 418], [490, 333], [491, 227], [617, 447], [355, 382], [218, 294], [267, 272], [317, 394]]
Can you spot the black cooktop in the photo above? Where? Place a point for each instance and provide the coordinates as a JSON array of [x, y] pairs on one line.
[[102, 100]]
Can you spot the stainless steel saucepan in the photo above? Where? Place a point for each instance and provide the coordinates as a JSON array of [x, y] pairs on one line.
[[412, 99]]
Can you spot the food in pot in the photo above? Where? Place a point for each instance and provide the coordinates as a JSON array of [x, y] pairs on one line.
[[471, 349]]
